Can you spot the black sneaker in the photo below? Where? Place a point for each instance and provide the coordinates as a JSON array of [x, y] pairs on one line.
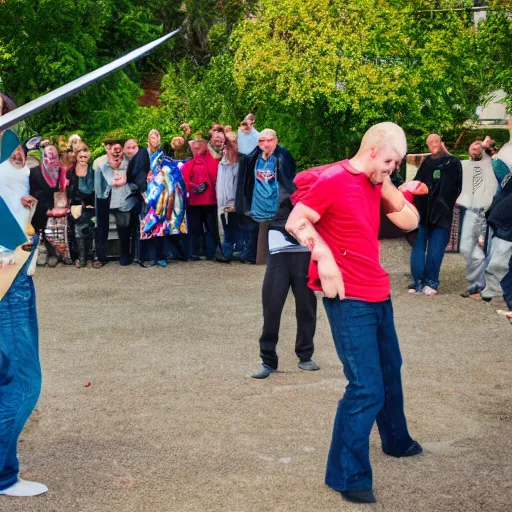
[[359, 496]]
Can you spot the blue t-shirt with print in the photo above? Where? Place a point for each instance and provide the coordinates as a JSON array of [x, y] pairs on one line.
[[266, 192]]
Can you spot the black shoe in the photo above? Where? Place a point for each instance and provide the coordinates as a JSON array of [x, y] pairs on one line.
[[222, 259], [359, 496], [414, 449]]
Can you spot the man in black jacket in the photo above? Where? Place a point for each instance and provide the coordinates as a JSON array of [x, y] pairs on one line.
[[265, 183], [442, 173]]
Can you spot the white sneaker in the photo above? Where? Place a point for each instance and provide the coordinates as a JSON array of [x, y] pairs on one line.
[[25, 488], [429, 291]]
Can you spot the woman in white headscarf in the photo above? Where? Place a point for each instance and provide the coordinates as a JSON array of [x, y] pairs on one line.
[[48, 185]]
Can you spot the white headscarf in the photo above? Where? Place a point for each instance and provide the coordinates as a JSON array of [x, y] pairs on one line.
[[14, 184]]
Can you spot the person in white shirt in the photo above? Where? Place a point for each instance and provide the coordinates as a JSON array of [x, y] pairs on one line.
[[479, 186]]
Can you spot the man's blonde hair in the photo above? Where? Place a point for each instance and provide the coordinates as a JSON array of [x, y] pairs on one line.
[[385, 135]]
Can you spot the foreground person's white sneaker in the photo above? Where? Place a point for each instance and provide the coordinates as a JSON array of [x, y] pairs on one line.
[[25, 488]]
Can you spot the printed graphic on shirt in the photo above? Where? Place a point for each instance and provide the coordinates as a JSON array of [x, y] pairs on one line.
[[265, 175], [437, 174], [478, 178], [265, 194]]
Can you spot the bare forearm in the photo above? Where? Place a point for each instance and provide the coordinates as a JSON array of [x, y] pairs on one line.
[[306, 234], [301, 225], [407, 219], [392, 199], [398, 210]]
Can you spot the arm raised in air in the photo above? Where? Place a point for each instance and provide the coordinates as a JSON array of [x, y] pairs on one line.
[[300, 224]]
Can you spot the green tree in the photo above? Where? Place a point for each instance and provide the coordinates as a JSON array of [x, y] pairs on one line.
[[46, 44], [357, 63], [495, 44]]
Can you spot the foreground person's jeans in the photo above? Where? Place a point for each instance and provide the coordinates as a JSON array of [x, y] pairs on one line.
[[427, 256], [366, 342], [21, 384]]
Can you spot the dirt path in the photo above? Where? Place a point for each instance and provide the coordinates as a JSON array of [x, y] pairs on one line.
[[172, 423]]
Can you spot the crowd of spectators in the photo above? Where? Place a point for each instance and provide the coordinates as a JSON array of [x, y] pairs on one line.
[[205, 195]]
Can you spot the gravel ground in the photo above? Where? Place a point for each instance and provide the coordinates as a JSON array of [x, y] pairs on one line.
[[172, 422]]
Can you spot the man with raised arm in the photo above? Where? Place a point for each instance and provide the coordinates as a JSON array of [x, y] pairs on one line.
[[338, 220]]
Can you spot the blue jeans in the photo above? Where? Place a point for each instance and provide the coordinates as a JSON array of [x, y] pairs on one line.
[[427, 255], [231, 229], [250, 230], [367, 344], [20, 383]]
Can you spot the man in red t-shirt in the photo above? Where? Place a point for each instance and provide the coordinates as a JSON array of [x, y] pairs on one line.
[[338, 219]]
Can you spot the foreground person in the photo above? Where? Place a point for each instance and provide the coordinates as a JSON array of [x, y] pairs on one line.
[[20, 370], [338, 220]]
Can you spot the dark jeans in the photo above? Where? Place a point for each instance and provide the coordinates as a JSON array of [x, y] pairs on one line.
[[124, 230], [250, 229], [83, 225], [427, 255], [231, 230], [202, 218], [154, 249], [367, 344], [506, 284], [285, 270]]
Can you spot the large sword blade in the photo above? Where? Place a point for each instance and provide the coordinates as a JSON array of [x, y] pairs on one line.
[[30, 108]]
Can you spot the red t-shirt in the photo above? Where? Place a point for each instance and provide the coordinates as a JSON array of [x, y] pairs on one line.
[[349, 208]]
